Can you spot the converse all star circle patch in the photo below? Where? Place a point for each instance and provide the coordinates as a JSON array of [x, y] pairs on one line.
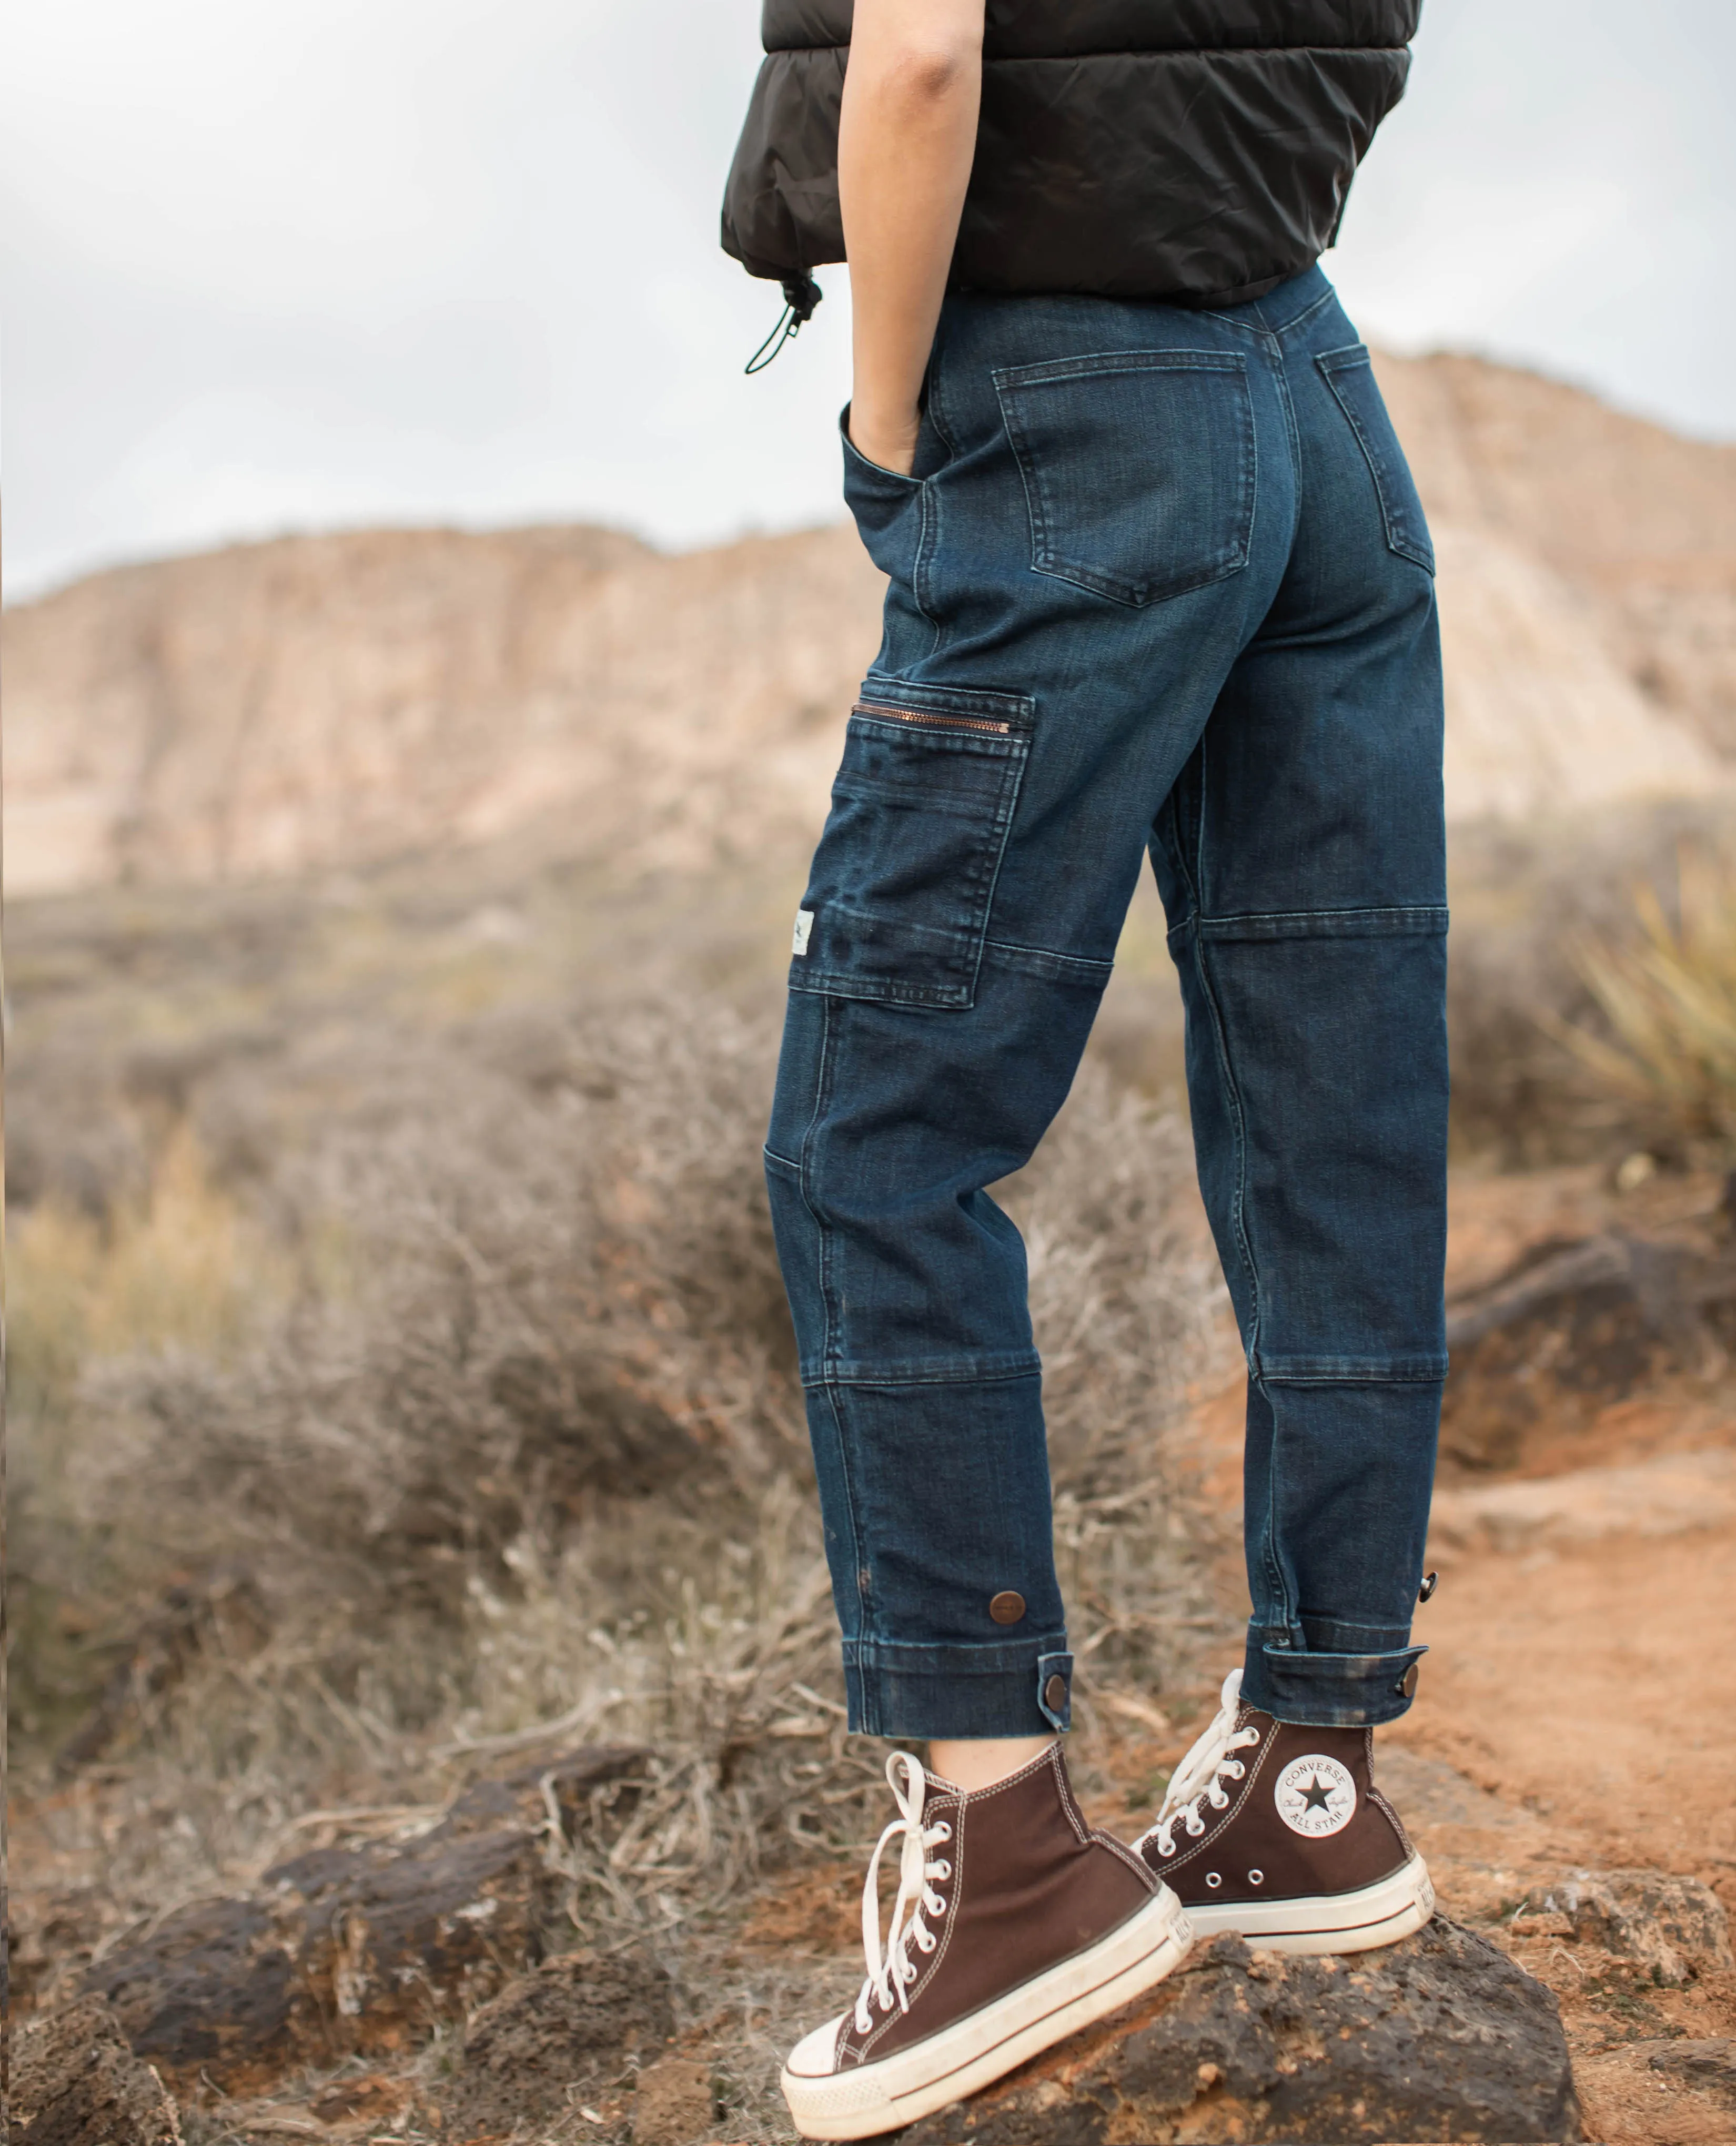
[[1315, 1796]]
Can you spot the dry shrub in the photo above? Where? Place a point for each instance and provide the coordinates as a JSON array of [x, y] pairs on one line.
[[1668, 997], [175, 1265], [178, 1263], [1125, 1293], [524, 1289], [519, 1463], [537, 1385], [1527, 901]]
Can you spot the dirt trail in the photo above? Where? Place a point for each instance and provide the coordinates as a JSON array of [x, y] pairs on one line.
[[1578, 1706]]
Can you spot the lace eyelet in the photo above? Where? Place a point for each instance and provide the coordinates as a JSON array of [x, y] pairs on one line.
[[943, 1869], [1213, 1879], [1256, 1877]]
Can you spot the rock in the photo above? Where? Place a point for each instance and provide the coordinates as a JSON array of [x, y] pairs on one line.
[[1439, 2036], [1570, 1327], [570, 1783], [673, 2104], [414, 688], [1670, 1495], [354, 1949], [210, 1989], [1429, 1792], [359, 1950], [1709, 2066], [553, 2037], [387, 1945], [1540, 714], [1675, 1928], [76, 2083]]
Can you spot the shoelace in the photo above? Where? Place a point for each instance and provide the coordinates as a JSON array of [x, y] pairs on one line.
[[890, 1969], [1195, 1781]]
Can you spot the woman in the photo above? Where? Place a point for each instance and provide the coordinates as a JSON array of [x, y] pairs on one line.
[[1159, 583]]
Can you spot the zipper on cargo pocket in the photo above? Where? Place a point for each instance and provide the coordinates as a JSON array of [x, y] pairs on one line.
[[930, 721]]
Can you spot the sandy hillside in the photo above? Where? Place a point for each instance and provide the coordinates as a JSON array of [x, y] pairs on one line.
[[323, 702]]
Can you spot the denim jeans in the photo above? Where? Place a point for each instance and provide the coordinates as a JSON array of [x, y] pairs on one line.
[[1160, 583]]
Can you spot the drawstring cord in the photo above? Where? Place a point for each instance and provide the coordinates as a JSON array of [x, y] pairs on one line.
[[801, 294]]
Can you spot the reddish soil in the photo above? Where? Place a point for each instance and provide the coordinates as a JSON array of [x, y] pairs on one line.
[[1588, 1687]]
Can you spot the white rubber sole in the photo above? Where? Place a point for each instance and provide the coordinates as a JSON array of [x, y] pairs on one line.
[[975, 2051], [1378, 1914]]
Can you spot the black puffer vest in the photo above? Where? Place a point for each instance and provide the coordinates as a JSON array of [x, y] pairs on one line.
[[1198, 151]]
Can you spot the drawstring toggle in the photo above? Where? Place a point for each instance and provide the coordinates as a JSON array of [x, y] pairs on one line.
[[801, 294]]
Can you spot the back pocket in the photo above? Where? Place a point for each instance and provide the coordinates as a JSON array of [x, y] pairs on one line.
[[899, 897], [1138, 467], [1351, 377]]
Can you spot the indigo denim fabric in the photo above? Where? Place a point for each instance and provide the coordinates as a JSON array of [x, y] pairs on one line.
[[1160, 584]]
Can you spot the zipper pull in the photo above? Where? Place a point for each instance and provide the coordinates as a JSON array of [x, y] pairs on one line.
[[801, 294]]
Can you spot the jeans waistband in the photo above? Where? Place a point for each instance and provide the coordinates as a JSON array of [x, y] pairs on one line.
[[1284, 308]]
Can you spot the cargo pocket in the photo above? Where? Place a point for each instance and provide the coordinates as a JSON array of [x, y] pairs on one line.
[[898, 900], [1138, 468], [1351, 377]]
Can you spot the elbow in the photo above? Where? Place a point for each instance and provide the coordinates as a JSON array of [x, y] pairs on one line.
[[920, 77]]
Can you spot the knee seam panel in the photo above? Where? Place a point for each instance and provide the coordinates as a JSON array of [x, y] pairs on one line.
[[1420, 919]]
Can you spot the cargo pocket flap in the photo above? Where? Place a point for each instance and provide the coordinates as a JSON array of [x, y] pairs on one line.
[[898, 901]]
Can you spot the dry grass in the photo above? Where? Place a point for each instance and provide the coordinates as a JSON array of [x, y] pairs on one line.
[[517, 1455], [177, 1265], [1529, 903], [1668, 997]]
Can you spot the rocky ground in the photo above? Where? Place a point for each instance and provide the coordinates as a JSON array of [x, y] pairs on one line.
[[1566, 1771]]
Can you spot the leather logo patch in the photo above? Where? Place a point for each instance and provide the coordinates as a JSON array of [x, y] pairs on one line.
[[1315, 1796]]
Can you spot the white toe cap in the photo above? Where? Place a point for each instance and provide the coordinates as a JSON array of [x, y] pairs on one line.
[[816, 2055]]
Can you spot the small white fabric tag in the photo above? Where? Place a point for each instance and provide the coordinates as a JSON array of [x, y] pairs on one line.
[[804, 925]]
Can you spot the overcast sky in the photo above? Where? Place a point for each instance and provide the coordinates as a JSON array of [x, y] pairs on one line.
[[284, 264]]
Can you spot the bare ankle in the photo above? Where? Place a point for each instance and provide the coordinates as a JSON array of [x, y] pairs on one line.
[[973, 1762]]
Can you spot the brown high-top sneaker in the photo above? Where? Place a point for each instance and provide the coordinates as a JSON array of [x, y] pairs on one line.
[[1014, 1925], [1279, 1833]]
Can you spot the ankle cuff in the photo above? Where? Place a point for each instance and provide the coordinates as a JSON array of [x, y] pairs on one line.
[[1330, 1691], [914, 1691]]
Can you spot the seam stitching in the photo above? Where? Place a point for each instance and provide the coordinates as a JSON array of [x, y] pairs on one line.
[[832, 1345], [1048, 953]]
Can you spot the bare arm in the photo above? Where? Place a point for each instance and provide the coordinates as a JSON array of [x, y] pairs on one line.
[[907, 138]]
